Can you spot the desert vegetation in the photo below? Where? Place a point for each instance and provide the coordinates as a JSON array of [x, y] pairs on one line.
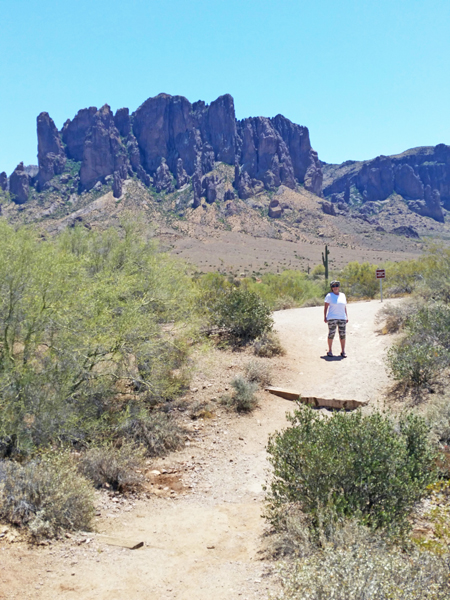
[[340, 502], [94, 333]]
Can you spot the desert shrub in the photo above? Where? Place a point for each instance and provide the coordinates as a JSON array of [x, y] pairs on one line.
[[243, 397], [242, 314], [284, 290], [425, 348], [318, 272], [210, 286], [438, 419], [268, 345], [394, 316], [201, 409], [258, 372], [358, 280], [354, 563], [284, 303], [158, 432], [363, 466], [109, 466], [46, 496], [412, 363], [81, 315], [312, 302]]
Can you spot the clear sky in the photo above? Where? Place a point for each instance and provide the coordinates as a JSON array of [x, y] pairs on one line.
[[367, 77]]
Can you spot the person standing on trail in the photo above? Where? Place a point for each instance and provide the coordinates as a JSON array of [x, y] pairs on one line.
[[335, 314]]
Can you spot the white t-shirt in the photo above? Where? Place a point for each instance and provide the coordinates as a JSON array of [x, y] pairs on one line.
[[337, 303]]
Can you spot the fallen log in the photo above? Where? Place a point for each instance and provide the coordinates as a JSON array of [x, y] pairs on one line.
[[317, 402]]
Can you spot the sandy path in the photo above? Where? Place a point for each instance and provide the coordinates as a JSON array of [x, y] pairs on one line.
[[205, 543], [361, 376]]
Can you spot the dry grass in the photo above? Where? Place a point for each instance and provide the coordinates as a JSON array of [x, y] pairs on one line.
[[393, 317], [116, 468], [352, 563], [268, 345], [45, 497], [258, 372], [159, 433]]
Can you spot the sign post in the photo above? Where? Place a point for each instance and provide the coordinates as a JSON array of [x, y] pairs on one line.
[[381, 274]]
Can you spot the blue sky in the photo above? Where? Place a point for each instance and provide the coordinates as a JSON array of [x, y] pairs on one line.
[[366, 77]]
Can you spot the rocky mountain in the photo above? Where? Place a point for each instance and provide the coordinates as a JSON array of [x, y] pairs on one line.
[[421, 176], [188, 155], [167, 143]]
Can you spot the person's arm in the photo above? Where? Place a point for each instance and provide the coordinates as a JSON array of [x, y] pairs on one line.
[[346, 313], [327, 304]]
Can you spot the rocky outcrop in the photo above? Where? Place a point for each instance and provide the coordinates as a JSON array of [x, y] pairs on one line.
[[314, 176], [209, 186], [408, 232], [275, 210], [263, 156], [163, 178], [168, 139], [3, 181], [51, 154], [123, 122], [218, 127], [328, 208], [181, 175], [19, 185], [74, 132], [407, 183], [166, 127], [421, 176], [193, 137], [103, 152], [117, 185]]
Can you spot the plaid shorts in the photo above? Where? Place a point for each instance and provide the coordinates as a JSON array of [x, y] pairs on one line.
[[336, 323]]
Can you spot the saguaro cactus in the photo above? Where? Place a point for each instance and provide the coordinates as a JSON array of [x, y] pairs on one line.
[[325, 262]]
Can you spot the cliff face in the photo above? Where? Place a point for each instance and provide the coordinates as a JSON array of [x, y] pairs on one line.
[[168, 142], [421, 176]]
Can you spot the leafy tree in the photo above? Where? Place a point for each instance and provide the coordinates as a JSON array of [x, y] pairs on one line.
[[87, 320]]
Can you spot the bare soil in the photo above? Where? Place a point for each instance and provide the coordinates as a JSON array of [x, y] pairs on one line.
[[201, 518]]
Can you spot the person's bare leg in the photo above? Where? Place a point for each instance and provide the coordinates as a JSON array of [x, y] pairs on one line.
[[330, 344], [343, 345]]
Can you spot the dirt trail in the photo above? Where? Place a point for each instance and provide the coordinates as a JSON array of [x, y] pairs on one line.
[[205, 540]]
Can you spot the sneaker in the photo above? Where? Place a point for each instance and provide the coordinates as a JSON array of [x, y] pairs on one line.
[[343, 355], [329, 354]]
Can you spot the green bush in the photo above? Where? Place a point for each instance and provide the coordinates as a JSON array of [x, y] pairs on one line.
[[117, 468], [414, 363], [358, 280], [46, 496], [363, 466], [243, 397], [425, 349], [354, 563], [242, 314]]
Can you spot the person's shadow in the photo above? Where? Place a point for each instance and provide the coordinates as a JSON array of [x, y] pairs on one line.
[[332, 358]]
